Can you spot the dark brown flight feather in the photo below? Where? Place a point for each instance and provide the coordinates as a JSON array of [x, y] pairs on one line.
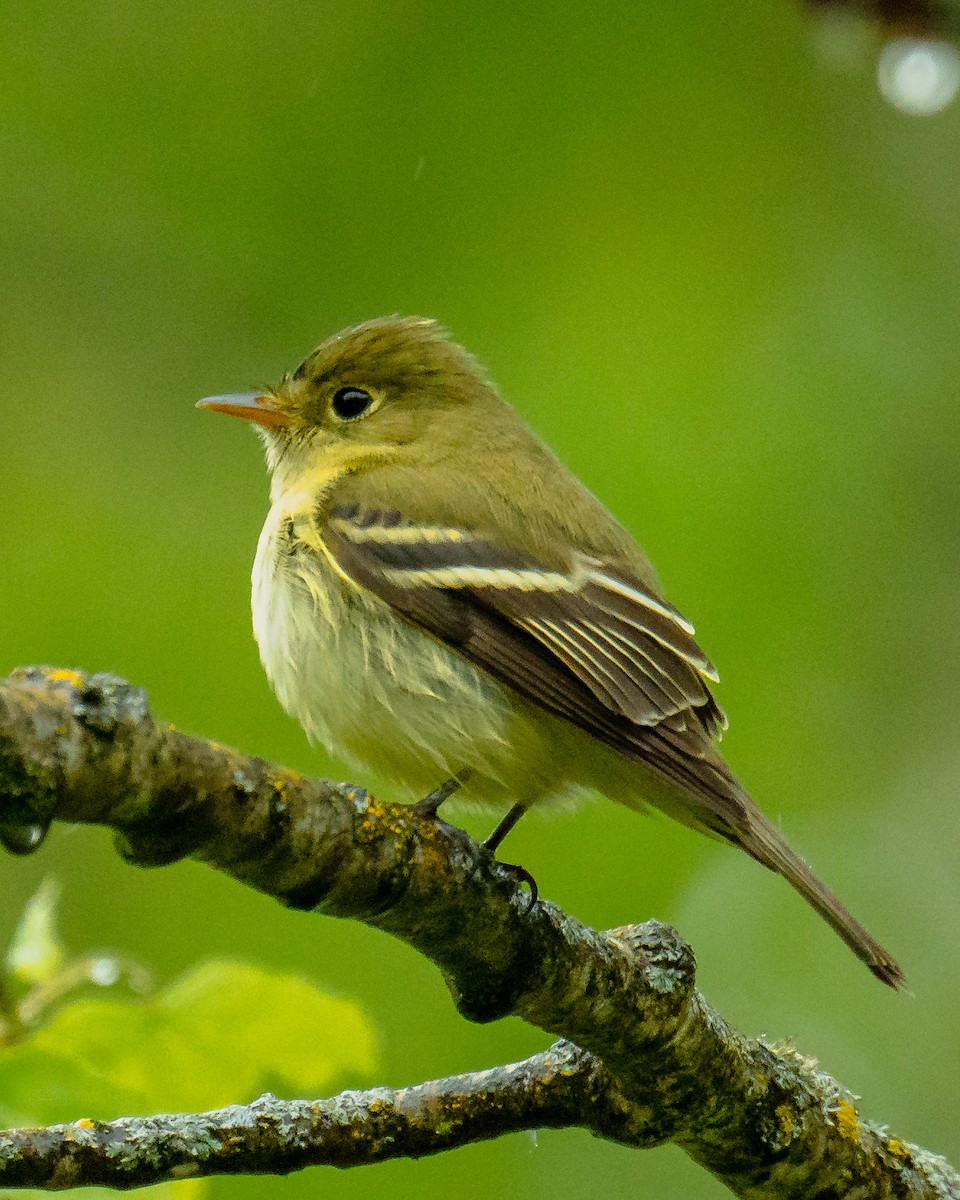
[[631, 650], [592, 647]]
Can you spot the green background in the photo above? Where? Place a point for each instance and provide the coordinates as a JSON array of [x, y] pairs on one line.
[[718, 274]]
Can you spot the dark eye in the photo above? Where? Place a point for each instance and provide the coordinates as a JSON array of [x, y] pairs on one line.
[[351, 402]]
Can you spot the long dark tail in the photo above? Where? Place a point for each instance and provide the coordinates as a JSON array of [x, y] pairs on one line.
[[763, 842], [715, 801], [710, 798]]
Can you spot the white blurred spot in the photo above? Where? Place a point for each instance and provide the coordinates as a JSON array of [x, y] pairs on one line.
[[918, 77], [104, 971]]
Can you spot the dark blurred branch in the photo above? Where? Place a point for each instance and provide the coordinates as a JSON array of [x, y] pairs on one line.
[[650, 1061], [902, 18]]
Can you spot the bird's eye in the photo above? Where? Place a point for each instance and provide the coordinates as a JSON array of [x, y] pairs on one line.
[[351, 402]]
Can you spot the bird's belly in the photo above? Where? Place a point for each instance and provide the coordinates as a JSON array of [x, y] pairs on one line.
[[380, 693]]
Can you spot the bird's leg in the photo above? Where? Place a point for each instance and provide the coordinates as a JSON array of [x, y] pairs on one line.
[[521, 874], [501, 831], [429, 806]]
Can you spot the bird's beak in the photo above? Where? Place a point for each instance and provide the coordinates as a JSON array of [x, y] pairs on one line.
[[251, 406]]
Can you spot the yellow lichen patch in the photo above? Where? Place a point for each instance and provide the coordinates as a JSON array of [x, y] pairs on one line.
[[845, 1119], [785, 1117], [434, 860], [898, 1149], [282, 783], [64, 675], [383, 817], [379, 810], [84, 1125]]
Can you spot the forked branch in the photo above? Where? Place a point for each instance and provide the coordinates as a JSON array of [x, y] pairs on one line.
[[643, 1059]]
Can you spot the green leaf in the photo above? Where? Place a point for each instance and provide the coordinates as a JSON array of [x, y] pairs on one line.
[[220, 1035], [278, 1030]]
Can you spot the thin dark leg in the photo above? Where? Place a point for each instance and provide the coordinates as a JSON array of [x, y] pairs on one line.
[[429, 806], [521, 874], [501, 831]]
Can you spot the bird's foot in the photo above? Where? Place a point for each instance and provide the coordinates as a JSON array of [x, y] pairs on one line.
[[522, 875], [428, 808]]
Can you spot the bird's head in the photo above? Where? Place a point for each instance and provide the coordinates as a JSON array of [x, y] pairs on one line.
[[366, 396]]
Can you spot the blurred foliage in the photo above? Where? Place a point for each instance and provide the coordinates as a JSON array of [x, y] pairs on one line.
[[224, 1030], [715, 271], [35, 954]]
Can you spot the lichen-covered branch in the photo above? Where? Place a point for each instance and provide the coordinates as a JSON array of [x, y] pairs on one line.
[[563, 1086], [765, 1121]]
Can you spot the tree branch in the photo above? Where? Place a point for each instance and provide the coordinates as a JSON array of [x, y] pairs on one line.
[[668, 1067], [561, 1087]]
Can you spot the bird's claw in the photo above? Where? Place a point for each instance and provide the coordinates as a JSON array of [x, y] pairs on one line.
[[521, 875]]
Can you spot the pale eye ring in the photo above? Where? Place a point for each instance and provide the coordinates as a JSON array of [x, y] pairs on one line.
[[350, 402]]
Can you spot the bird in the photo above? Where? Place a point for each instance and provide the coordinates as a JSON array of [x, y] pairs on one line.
[[436, 597]]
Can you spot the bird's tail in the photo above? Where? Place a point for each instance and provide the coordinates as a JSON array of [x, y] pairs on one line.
[[764, 843], [703, 792]]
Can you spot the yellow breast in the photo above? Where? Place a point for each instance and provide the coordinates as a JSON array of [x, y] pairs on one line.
[[372, 688]]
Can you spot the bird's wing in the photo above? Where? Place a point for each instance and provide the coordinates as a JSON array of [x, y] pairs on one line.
[[589, 644]]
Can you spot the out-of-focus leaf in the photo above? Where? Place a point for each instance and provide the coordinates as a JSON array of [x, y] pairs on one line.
[[220, 1035], [35, 953], [186, 1189], [271, 1028]]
